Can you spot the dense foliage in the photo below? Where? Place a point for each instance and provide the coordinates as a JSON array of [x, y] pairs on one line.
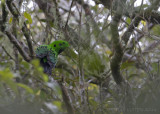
[[111, 66]]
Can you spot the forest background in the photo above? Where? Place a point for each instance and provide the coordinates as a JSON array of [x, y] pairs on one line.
[[111, 66]]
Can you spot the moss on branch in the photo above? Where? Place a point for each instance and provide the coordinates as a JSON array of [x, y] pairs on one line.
[[118, 51]]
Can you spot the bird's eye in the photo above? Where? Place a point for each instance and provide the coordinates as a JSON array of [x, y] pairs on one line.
[[60, 44], [63, 42], [55, 45]]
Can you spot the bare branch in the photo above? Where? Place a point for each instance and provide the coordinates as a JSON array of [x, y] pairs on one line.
[[7, 53], [18, 46], [66, 99], [12, 9], [69, 13], [151, 47], [130, 29], [148, 14], [26, 33], [92, 22]]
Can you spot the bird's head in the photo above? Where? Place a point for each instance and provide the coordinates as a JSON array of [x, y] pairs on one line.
[[59, 45]]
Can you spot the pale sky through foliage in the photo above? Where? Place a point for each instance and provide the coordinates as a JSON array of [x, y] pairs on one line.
[[113, 44], [137, 3], [91, 2]]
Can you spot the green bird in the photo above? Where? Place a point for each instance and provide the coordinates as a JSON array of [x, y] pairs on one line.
[[48, 54]]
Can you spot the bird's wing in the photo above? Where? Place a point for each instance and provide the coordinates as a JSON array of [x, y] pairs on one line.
[[42, 51], [52, 57]]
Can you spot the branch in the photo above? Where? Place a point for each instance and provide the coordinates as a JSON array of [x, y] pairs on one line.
[[147, 14], [66, 99], [69, 13], [4, 16], [151, 46], [49, 10], [26, 33], [118, 51], [130, 29], [15, 12], [12, 9], [67, 67], [106, 3], [138, 38], [153, 17], [7, 53], [99, 33], [18, 46]]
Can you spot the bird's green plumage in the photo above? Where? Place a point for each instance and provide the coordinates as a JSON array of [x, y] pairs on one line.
[[48, 54], [59, 46]]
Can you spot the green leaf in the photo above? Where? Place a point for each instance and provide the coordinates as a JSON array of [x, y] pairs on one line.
[[43, 20], [36, 63], [2, 2], [27, 88], [145, 6], [25, 64], [94, 63], [45, 77], [28, 17], [156, 30], [128, 21], [109, 52], [58, 104], [6, 77], [126, 64], [10, 20], [132, 76]]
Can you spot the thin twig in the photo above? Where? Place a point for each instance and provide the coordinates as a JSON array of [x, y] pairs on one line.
[[141, 6], [69, 14], [7, 53]]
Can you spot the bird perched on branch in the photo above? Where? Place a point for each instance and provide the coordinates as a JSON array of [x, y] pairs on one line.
[[48, 54]]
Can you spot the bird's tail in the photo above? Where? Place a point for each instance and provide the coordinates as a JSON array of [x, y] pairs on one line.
[[47, 68]]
